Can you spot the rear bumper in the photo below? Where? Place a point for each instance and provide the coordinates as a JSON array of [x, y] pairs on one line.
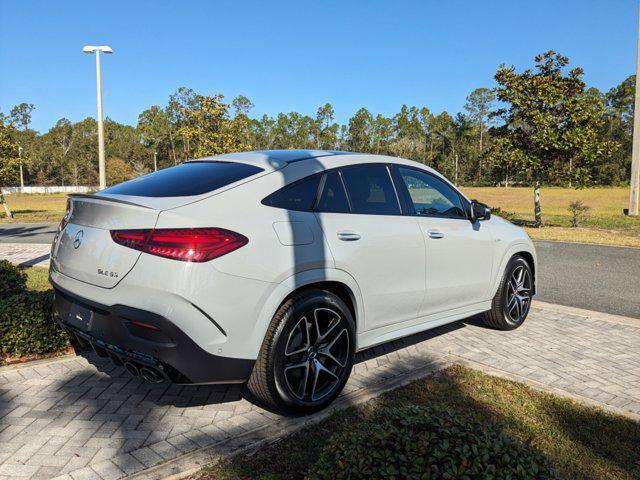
[[147, 340]]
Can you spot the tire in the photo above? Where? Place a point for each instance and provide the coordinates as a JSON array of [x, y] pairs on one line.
[[512, 301], [311, 332]]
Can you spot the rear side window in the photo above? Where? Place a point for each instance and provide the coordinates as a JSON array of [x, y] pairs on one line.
[[333, 198], [299, 196], [191, 178], [370, 190]]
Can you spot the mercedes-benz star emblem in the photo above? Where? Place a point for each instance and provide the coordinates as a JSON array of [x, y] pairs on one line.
[[77, 241]]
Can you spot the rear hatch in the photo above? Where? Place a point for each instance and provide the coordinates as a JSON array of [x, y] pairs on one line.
[[84, 249]]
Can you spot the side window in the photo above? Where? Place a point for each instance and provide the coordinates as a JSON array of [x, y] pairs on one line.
[[300, 195], [370, 190], [333, 199], [430, 195]]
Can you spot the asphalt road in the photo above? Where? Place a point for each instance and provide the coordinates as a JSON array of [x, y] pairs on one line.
[[594, 277], [27, 232]]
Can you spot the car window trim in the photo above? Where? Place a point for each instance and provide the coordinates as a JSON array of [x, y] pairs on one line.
[[405, 190]]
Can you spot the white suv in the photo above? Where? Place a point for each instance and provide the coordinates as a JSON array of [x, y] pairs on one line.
[[275, 267]]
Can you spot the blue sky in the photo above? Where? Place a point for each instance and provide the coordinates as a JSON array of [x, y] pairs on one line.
[[296, 55]]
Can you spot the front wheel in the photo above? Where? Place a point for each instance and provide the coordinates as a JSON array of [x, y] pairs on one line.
[[511, 304], [307, 354]]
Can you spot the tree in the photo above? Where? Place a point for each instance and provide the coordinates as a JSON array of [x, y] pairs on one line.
[[550, 122], [8, 162], [118, 171], [479, 104], [206, 127], [20, 115], [619, 127], [154, 129], [241, 123], [326, 131], [360, 131]]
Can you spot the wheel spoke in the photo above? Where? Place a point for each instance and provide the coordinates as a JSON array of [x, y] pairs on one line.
[[305, 333], [302, 387], [316, 374], [512, 300], [326, 350], [332, 324]]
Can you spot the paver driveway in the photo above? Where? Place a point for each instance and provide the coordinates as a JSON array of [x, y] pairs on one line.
[[67, 418]]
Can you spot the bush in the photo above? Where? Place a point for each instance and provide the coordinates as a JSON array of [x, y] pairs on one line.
[[12, 280], [424, 443], [26, 317], [579, 213]]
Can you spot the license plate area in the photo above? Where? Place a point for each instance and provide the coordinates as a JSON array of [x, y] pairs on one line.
[[80, 317]]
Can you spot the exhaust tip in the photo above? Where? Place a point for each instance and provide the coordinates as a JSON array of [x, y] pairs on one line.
[[132, 369], [151, 375]]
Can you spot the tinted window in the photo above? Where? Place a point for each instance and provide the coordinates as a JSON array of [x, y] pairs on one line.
[[191, 178], [298, 196], [333, 199], [430, 195], [370, 190]]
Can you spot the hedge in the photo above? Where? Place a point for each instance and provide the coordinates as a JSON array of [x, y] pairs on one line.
[[12, 280], [26, 317], [417, 442]]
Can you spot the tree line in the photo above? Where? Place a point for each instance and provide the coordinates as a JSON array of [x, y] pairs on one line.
[[538, 126]]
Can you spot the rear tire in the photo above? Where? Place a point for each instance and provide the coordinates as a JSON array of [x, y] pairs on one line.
[[307, 354], [512, 301]]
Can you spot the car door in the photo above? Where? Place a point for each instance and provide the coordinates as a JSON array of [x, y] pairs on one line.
[[459, 253], [359, 212]]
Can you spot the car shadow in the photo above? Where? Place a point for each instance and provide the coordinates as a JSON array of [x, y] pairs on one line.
[[24, 231]]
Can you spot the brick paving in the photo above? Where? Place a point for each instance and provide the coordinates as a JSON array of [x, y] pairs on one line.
[[72, 419], [28, 254]]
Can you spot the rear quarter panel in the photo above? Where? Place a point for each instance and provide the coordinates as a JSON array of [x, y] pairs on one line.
[[281, 244]]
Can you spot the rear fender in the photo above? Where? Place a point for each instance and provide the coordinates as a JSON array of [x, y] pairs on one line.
[[294, 283]]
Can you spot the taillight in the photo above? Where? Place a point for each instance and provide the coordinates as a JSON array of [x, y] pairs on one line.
[[185, 244], [67, 216]]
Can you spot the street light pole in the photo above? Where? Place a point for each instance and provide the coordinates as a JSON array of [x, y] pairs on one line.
[[634, 193], [21, 176], [101, 161], [155, 161]]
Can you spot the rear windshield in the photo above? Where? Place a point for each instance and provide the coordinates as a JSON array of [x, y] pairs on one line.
[[191, 178]]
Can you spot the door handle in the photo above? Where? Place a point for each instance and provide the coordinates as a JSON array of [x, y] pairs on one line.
[[348, 236], [435, 234]]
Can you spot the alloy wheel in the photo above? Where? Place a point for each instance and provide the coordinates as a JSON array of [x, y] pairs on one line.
[[518, 294], [316, 355]]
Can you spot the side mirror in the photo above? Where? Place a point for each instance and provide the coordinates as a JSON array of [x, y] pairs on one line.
[[480, 211]]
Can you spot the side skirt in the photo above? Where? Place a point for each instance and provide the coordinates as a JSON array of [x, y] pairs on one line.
[[387, 333]]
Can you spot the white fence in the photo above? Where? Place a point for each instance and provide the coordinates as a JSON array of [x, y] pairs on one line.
[[51, 189]]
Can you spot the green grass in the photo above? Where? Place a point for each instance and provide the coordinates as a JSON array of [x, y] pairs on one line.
[[583, 443], [37, 278], [35, 208], [606, 204]]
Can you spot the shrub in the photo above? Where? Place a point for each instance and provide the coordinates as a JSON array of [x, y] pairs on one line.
[[579, 213], [27, 326], [427, 442], [12, 279]]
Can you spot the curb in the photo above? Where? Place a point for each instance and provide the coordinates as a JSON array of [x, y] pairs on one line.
[[589, 314]]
